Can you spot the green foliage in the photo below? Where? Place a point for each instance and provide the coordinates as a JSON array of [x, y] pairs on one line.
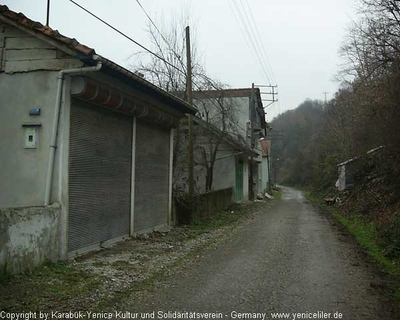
[[389, 233], [50, 284], [294, 157], [313, 197], [324, 173], [367, 235], [276, 193], [224, 218], [218, 220]]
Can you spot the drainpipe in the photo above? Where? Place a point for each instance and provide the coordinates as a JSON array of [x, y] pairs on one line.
[[57, 108]]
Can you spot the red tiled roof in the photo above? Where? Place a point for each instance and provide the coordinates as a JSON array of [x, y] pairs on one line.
[[25, 22]]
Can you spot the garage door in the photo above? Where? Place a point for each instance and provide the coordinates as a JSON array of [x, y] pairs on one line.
[[151, 177], [99, 175]]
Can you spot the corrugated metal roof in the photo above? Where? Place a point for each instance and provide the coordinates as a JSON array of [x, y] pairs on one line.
[[87, 55]]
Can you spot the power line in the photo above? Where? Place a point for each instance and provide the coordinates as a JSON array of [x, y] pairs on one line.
[[247, 36], [151, 20], [162, 36], [166, 41], [261, 42], [247, 29], [149, 51], [126, 36], [256, 43]]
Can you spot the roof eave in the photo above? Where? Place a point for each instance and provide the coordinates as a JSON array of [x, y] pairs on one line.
[[88, 56], [145, 85]]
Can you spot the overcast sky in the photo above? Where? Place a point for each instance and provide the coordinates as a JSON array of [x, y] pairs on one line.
[[301, 38]]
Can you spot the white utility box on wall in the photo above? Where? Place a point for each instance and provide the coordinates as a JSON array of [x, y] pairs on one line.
[[31, 135]]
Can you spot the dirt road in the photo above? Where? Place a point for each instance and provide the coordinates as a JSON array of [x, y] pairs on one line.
[[289, 259]]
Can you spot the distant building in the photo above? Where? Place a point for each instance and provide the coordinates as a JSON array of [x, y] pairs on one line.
[[229, 156], [346, 170], [240, 113]]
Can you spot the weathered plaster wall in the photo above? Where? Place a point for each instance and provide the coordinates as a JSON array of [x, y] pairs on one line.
[[241, 106], [24, 85], [22, 178], [28, 237], [256, 178], [237, 108], [224, 169], [245, 179], [264, 174]]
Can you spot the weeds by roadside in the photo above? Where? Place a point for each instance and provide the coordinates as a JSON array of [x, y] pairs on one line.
[[46, 287], [277, 193], [223, 218], [366, 234]]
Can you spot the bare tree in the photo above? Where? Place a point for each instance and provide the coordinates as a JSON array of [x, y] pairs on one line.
[[169, 73], [219, 122], [169, 44], [372, 47], [372, 52]]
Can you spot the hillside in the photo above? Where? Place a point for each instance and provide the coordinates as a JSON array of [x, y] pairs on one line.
[[315, 138]]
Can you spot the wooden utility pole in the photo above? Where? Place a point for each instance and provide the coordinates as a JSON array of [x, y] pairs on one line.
[[190, 117], [252, 114]]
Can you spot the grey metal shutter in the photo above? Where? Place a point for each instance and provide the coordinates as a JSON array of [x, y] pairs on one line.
[[151, 177], [99, 175]]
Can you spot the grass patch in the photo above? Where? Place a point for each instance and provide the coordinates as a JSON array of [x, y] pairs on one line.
[[367, 235], [45, 287], [69, 281], [224, 218], [313, 197], [277, 194], [218, 220]]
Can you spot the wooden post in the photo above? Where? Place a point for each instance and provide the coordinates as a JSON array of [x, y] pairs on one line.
[[252, 113], [190, 117]]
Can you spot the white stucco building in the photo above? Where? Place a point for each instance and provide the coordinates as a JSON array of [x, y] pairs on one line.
[[239, 113]]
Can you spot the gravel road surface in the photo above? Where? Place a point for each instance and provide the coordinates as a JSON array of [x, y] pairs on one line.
[[289, 259]]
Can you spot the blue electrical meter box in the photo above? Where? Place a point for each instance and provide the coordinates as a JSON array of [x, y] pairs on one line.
[[34, 112]]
